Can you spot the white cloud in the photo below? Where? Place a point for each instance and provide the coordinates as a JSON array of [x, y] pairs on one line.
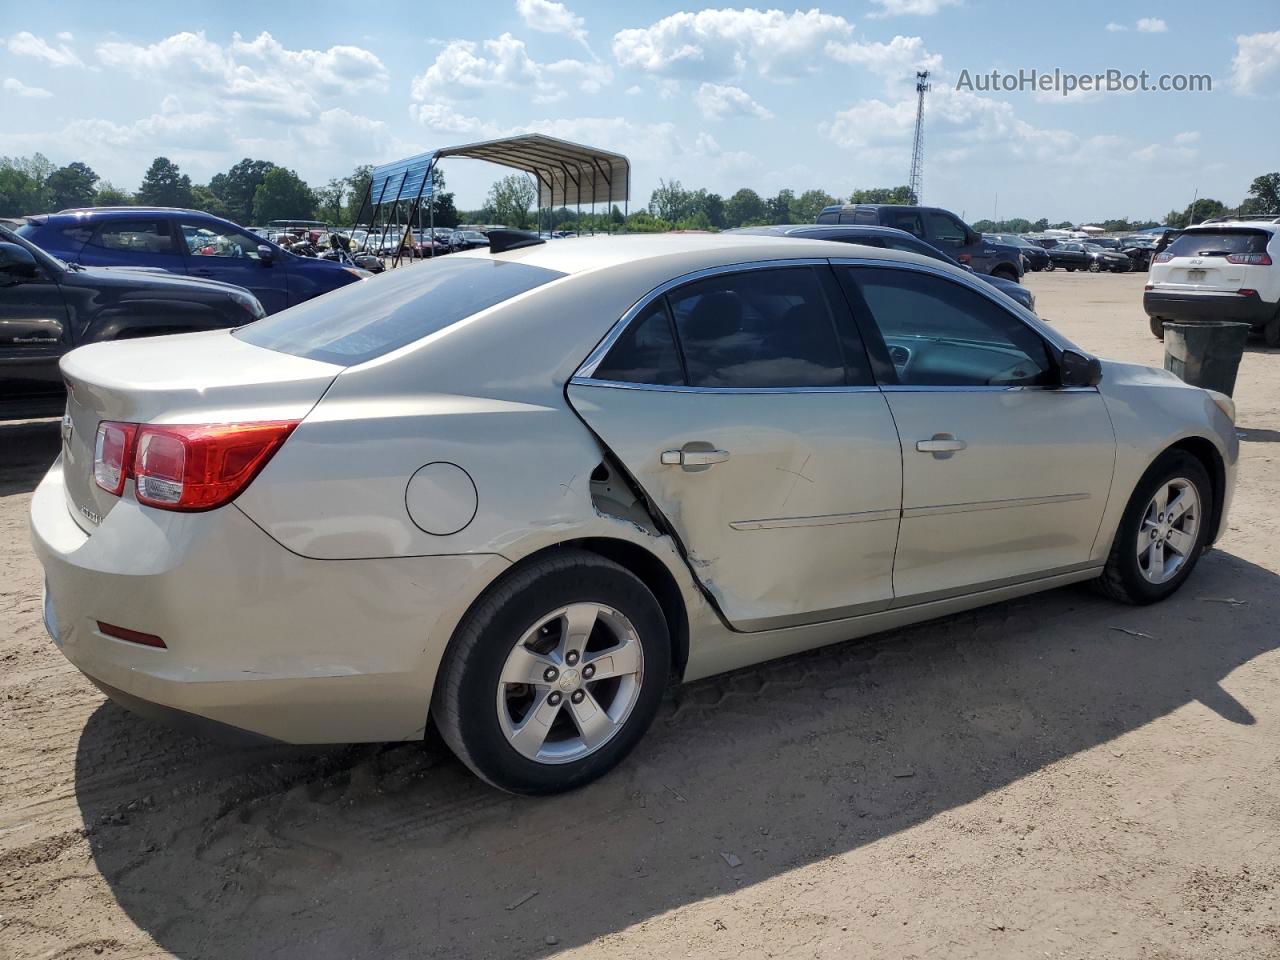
[[920, 8], [547, 16], [1187, 137], [1152, 25], [442, 118], [29, 45], [1116, 27], [258, 77], [19, 89], [901, 55], [1257, 58], [718, 101], [714, 44], [466, 69]]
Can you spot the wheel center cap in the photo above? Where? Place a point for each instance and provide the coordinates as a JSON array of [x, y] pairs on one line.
[[570, 680]]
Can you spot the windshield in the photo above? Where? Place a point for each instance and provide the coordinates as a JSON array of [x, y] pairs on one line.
[[19, 237], [369, 318], [1219, 242]]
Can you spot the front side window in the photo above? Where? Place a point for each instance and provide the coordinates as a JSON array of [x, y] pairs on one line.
[[945, 229], [134, 236], [759, 328], [941, 333], [205, 240]]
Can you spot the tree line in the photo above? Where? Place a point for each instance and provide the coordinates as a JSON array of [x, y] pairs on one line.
[[258, 191]]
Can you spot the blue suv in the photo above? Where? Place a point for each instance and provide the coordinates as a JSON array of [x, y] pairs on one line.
[[186, 242]]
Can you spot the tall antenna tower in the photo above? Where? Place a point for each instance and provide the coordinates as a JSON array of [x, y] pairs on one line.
[[917, 150]]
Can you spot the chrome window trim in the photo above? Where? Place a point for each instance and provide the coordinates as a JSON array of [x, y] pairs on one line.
[[577, 381], [981, 388], [588, 366]]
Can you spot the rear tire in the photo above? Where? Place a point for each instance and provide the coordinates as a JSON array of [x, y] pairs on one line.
[[1049, 267], [1095, 267], [523, 626], [1157, 327], [1071, 269], [1154, 552], [1271, 332]]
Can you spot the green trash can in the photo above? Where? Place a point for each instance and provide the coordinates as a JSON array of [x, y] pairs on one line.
[[1205, 354]]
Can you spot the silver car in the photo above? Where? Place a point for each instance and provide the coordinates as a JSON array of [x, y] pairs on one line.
[[520, 492]]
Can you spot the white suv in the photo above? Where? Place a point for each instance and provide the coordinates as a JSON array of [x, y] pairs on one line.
[[1223, 269]]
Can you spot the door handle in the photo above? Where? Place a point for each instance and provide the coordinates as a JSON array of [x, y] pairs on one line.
[[942, 445], [693, 458]]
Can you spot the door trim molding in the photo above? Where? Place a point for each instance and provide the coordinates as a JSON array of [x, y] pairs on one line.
[[823, 520], [910, 513]]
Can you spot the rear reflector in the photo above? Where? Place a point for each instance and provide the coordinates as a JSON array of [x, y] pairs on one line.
[[1252, 259], [1246, 292], [133, 636]]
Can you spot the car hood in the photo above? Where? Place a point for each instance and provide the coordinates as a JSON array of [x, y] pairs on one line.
[[152, 278]]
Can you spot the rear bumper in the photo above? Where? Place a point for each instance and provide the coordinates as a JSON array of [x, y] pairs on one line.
[[260, 641], [1188, 306]]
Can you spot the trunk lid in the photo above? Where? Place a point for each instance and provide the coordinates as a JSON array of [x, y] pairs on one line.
[[209, 377], [1199, 259]]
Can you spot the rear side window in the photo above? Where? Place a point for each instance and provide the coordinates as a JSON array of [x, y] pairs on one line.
[[134, 236], [369, 318], [1219, 243], [759, 328], [646, 352]]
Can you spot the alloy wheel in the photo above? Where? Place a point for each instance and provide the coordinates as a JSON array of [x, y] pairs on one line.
[[570, 683], [1168, 532]]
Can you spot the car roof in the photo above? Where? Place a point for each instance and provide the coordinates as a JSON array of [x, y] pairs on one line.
[[125, 212], [582, 254], [1272, 226]]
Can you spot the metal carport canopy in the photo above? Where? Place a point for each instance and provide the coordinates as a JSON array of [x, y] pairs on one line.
[[567, 173]]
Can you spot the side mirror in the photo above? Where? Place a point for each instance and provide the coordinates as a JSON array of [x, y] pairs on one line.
[[266, 255], [1079, 370], [17, 264]]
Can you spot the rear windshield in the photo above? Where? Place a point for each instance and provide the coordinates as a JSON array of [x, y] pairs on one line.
[[1219, 243], [367, 319]]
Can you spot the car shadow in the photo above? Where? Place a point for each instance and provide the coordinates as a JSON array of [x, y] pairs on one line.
[[1257, 434], [393, 850], [27, 448]]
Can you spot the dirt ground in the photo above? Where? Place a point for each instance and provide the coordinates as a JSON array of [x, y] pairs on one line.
[[1058, 776]]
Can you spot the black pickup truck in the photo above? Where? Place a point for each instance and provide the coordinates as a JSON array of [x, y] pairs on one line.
[[48, 307]]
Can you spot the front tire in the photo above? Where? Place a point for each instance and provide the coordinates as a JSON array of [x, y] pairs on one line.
[[554, 675], [1095, 267], [1049, 267], [1163, 532]]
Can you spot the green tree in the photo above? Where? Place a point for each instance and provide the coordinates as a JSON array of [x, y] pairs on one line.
[[444, 213], [809, 204], [671, 201], [357, 186], [511, 199], [712, 206], [238, 187], [642, 221], [71, 186], [164, 185], [883, 195], [109, 195], [778, 207], [984, 226], [283, 195], [329, 200], [203, 198], [743, 208], [1265, 193], [20, 193], [1041, 224]]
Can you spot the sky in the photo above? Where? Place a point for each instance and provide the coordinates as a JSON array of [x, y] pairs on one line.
[[715, 97]]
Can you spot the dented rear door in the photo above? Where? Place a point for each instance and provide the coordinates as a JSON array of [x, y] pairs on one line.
[[786, 498]]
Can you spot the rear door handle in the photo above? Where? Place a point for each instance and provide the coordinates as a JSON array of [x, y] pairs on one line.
[[941, 444], [693, 458]]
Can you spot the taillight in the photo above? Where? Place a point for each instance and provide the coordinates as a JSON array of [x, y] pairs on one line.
[[187, 466], [202, 466], [964, 257], [1252, 259], [1164, 257], [111, 449]]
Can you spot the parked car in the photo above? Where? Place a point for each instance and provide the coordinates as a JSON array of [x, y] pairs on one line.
[[525, 491], [1106, 243], [891, 239], [1223, 269], [1101, 258], [940, 228], [469, 240], [1034, 254], [48, 307], [186, 242], [1139, 250], [1069, 255]]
